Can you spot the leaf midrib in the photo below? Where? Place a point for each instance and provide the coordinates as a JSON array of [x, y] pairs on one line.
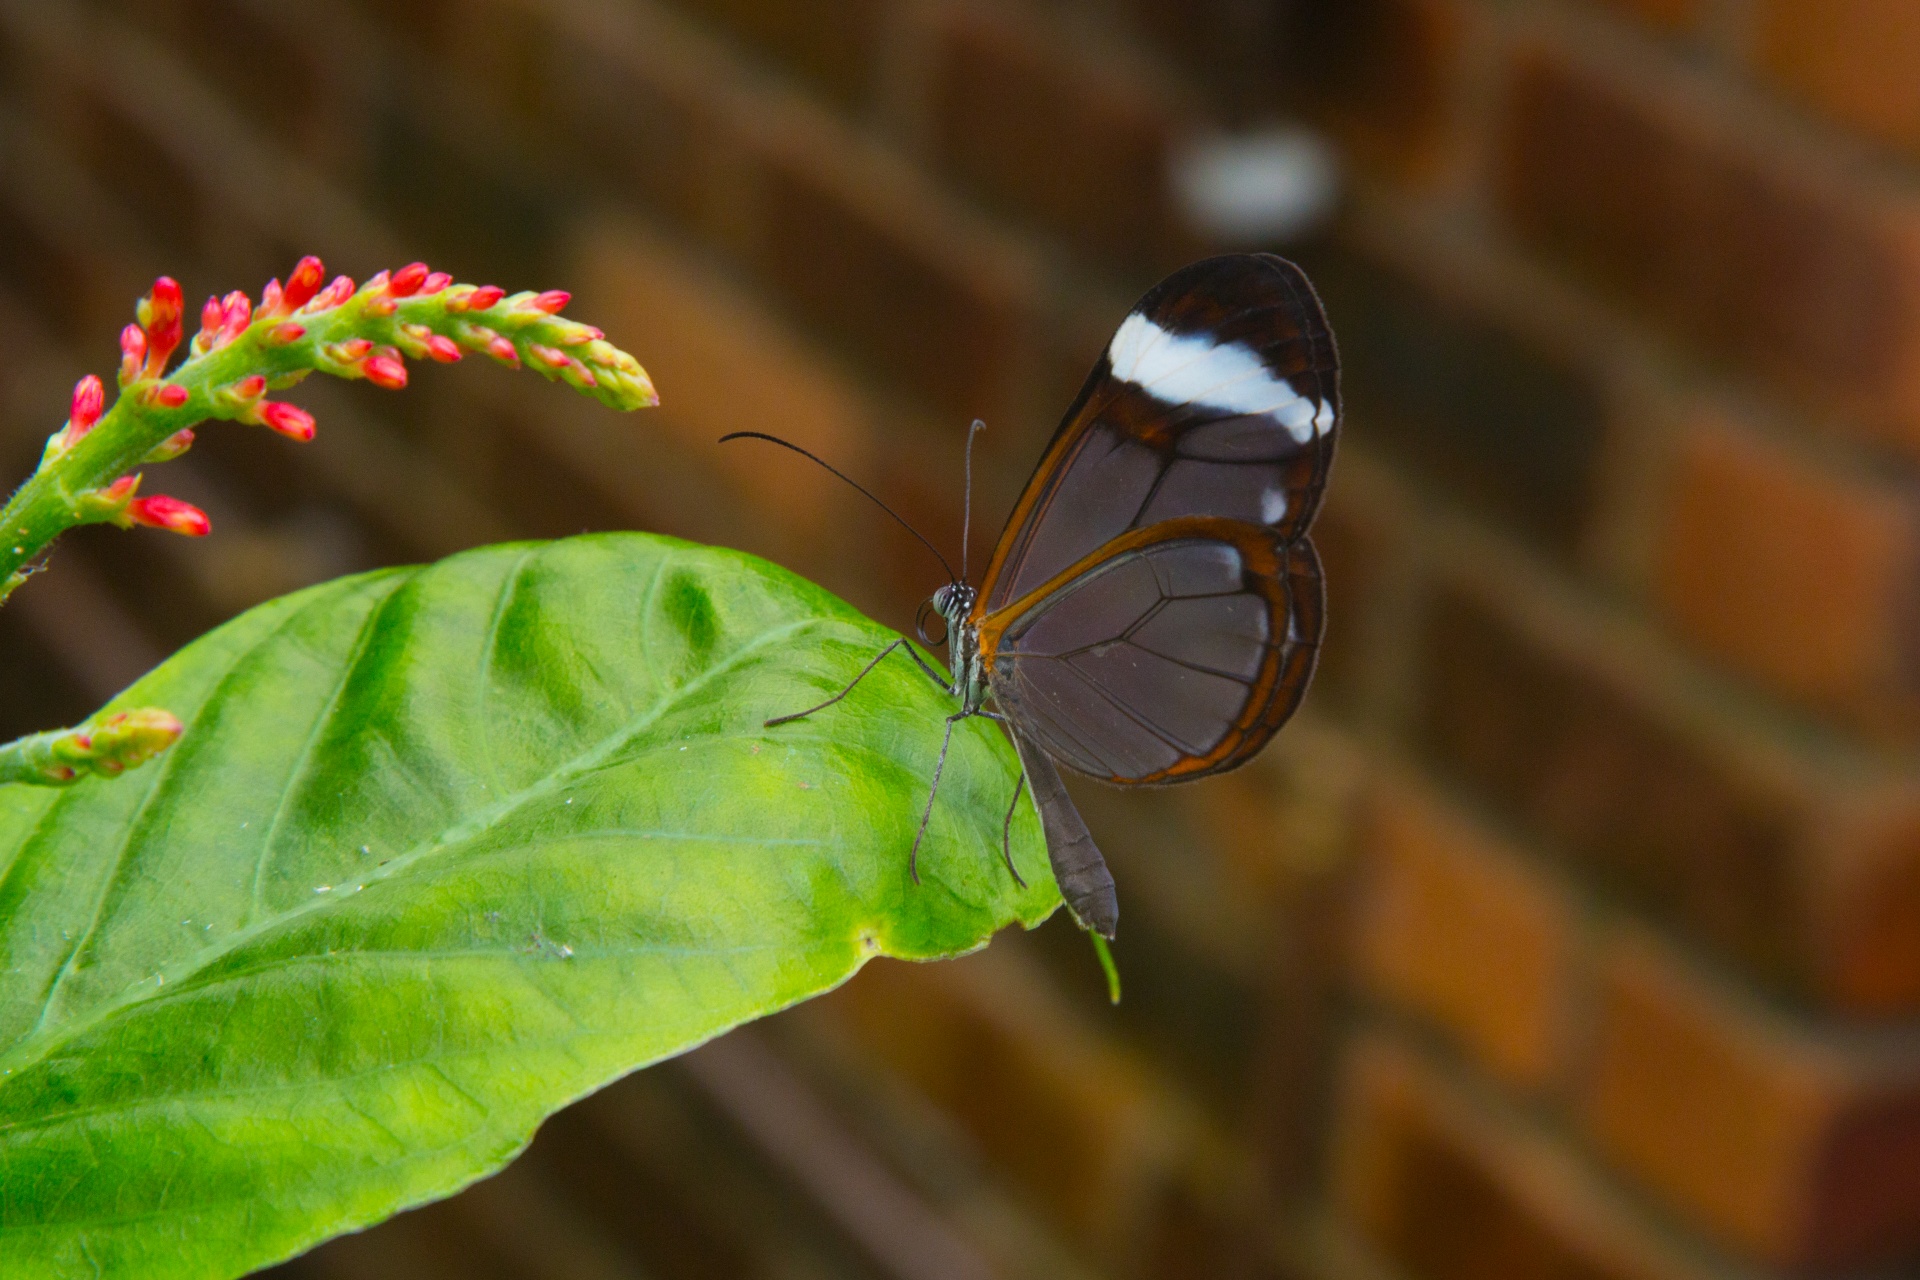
[[34, 1048]]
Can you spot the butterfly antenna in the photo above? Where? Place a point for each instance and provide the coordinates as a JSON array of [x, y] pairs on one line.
[[813, 457], [966, 503]]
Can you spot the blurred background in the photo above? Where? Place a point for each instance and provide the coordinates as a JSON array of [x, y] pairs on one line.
[[1573, 928]]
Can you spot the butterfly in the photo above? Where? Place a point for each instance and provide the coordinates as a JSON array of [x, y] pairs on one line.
[[1153, 609]]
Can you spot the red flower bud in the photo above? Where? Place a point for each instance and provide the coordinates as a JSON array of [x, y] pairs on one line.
[[407, 280], [159, 314], [251, 387], [89, 398], [436, 282], [165, 395], [212, 315], [282, 334], [385, 371], [353, 349], [308, 275], [270, 298], [121, 489], [171, 514], [289, 420], [443, 349], [485, 296], [133, 353], [551, 301]]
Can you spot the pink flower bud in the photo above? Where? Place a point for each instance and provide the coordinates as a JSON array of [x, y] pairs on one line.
[[251, 387], [353, 349], [159, 314], [212, 315], [551, 301], [270, 299], [385, 371], [407, 280], [502, 350], [333, 295], [552, 357], [171, 514], [282, 334], [172, 447], [485, 296], [133, 353], [381, 306], [122, 489], [89, 398], [308, 274], [436, 282], [289, 420], [164, 395], [443, 349]]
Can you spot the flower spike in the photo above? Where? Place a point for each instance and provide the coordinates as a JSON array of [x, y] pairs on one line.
[[243, 351]]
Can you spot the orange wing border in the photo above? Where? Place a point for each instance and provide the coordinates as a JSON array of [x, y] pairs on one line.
[[1287, 576]]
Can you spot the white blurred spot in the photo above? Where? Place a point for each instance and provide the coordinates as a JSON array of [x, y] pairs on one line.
[[1257, 188]]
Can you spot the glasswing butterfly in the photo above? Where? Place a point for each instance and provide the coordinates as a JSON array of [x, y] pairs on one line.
[[1154, 607]]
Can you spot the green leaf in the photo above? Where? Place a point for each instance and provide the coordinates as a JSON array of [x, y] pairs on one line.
[[441, 850]]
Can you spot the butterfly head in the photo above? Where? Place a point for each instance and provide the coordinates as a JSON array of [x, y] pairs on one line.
[[953, 602]]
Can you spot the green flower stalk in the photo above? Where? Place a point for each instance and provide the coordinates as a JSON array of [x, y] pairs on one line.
[[241, 353]]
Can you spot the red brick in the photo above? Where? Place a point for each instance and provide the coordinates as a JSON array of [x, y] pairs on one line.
[[1794, 1152], [653, 115], [1449, 1189], [1080, 149], [1072, 1121], [1807, 275], [1666, 15], [1455, 929], [832, 46], [1853, 60], [1382, 73], [1802, 578], [1869, 908], [872, 255]]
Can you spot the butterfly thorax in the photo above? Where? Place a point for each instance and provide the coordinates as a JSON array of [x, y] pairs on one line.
[[955, 604]]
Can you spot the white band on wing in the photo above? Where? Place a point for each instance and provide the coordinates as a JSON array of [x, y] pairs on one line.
[[1180, 368]]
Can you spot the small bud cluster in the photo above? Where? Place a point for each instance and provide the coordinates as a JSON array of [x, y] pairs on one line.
[[106, 746]]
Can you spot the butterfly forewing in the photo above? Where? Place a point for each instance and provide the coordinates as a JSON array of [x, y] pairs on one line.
[[1217, 396], [1175, 651]]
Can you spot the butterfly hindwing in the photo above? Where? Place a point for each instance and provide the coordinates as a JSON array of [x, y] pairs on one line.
[[1173, 652], [1218, 395]]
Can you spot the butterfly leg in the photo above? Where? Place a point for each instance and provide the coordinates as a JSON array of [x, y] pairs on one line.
[[801, 715], [940, 767], [1006, 828]]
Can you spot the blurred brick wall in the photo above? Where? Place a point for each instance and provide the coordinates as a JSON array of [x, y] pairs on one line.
[[1573, 930]]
